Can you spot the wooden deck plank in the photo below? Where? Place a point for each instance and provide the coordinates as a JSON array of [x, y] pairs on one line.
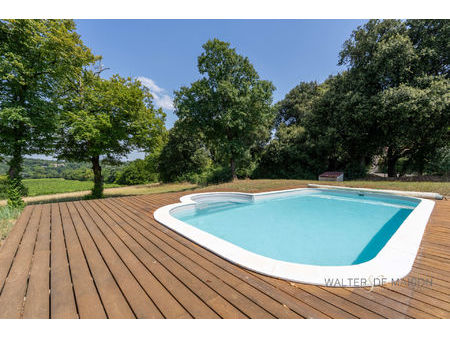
[[214, 300], [240, 283], [112, 298], [87, 301], [138, 300], [62, 295], [110, 258], [14, 290], [306, 310], [227, 291], [11, 244], [37, 303], [154, 289], [324, 307], [184, 295]]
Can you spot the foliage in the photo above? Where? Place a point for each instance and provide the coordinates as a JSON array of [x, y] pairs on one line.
[[430, 38], [3, 187], [15, 189], [38, 61], [391, 64], [138, 172], [184, 154], [440, 163], [108, 118], [287, 155], [229, 105], [415, 120], [298, 103]]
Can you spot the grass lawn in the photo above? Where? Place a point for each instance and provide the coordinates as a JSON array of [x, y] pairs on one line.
[[47, 186], [8, 217], [442, 188]]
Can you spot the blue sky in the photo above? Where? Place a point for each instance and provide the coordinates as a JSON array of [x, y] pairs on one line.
[[163, 53]]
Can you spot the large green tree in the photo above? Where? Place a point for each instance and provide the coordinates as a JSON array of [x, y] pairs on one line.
[[184, 153], [385, 58], [39, 59], [106, 119], [230, 105], [431, 39], [298, 103], [415, 121]]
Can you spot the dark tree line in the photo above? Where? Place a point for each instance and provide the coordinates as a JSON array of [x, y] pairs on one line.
[[391, 104]]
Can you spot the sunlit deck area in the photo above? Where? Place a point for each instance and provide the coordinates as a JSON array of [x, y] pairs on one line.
[[109, 258]]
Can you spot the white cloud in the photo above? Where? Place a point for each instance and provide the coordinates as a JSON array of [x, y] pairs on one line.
[[161, 99]]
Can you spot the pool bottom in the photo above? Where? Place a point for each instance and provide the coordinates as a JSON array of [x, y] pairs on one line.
[[393, 261]]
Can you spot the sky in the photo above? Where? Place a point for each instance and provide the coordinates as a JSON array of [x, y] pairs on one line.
[[163, 53]]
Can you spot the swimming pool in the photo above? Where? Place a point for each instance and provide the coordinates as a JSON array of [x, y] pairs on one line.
[[307, 235]]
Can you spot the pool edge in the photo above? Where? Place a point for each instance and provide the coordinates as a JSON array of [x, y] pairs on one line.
[[393, 262]]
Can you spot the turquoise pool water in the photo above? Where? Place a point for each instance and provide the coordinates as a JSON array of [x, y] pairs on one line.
[[328, 228]]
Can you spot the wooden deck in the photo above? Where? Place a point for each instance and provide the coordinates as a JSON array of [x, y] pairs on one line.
[[110, 259]]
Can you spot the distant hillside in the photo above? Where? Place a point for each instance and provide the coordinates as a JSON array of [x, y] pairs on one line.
[[39, 168]]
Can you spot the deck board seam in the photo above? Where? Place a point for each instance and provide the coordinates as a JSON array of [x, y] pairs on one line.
[[31, 265], [149, 271], [229, 285], [103, 259], [176, 239], [275, 300], [118, 255], [68, 261], [15, 252], [188, 287], [170, 272], [87, 264]]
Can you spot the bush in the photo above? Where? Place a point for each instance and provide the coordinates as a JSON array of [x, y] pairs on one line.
[[3, 187], [184, 155], [16, 190], [441, 163], [211, 175], [137, 172]]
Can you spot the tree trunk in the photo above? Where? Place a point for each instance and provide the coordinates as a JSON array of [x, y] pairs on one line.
[[233, 169], [15, 187], [15, 164], [97, 191], [391, 163]]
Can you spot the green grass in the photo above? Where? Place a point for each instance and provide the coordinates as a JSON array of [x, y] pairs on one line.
[[47, 186], [442, 188], [8, 217]]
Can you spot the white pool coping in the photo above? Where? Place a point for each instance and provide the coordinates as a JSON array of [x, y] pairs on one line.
[[394, 261]]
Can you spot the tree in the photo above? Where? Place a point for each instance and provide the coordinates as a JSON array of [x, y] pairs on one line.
[[419, 118], [108, 118], [229, 105], [38, 61], [388, 62], [298, 103], [431, 39], [288, 155], [183, 154]]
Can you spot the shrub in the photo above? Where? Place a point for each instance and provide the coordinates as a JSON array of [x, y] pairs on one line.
[[15, 190], [3, 187], [137, 172]]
